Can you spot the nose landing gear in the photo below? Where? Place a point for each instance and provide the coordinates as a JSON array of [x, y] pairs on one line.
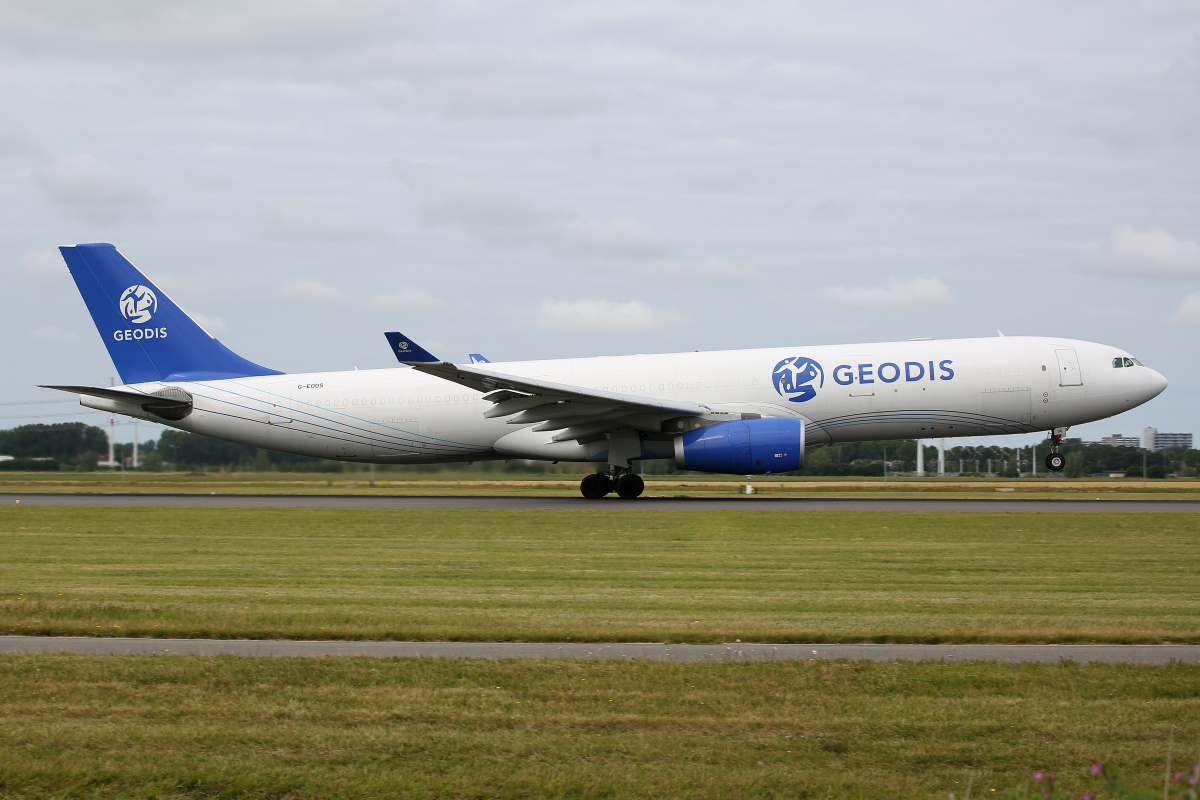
[[1054, 459]]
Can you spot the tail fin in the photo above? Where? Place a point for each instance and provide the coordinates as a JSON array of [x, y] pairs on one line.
[[147, 335]]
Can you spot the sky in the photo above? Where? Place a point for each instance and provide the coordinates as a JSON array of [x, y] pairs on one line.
[[539, 180]]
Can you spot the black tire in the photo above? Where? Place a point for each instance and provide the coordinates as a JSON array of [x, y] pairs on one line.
[[630, 486], [593, 487], [1055, 462]]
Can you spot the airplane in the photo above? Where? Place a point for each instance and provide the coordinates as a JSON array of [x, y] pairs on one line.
[[746, 412]]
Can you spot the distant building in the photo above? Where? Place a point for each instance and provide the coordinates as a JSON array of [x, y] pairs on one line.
[[1117, 440], [1154, 441], [1151, 439]]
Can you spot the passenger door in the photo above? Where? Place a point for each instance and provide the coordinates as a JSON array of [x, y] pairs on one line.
[[1068, 367]]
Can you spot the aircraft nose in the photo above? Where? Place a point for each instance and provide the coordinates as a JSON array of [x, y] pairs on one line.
[[1155, 382]]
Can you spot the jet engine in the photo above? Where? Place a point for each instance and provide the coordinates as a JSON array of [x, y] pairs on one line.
[[745, 447]]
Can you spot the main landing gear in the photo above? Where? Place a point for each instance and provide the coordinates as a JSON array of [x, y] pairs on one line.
[[627, 486], [1055, 461]]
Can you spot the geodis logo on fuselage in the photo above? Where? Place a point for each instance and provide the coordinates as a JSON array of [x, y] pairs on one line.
[[798, 378], [793, 378], [138, 304]]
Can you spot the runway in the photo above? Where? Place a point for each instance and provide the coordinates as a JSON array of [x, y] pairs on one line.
[[607, 504], [621, 651]]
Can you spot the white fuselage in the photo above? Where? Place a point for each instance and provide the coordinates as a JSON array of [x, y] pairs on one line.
[[893, 390]]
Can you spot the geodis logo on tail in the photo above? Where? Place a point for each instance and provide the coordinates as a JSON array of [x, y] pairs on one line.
[[138, 304], [794, 377]]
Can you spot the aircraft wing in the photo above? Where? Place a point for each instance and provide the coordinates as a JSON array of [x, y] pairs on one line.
[[575, 412]]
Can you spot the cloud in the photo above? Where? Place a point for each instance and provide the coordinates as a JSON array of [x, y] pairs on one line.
[[1109, 312], [1123, 134], [223, 30], [602, 316], [313, 292], [213, 325], [513, 95], [405, 300], [481, 211], [89, 188], [378, 47], [1150, 254], [710, 270], [52, 333], [1188, 312], [300, 219], [616, 238], [914, 293], [505, 218], [13, 138], [44, 266]]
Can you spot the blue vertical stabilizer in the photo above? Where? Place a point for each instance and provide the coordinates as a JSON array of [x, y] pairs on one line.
[[147, 335]]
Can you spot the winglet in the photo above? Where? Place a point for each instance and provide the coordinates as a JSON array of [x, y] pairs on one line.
[[476, 358], [408, 352]]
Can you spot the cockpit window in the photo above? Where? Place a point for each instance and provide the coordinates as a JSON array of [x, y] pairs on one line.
[[1122, 361], [1129, 362], [1140, 364], [1118, 363]]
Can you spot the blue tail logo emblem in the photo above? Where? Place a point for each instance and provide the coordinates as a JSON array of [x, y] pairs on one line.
[[793, 378], [138, 304]]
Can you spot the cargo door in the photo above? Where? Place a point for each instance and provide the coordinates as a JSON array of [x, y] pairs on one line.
[[1068, 367], [1009, 404]]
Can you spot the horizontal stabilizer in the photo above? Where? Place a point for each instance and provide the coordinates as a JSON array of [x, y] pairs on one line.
[[408, 352], [173, 404]]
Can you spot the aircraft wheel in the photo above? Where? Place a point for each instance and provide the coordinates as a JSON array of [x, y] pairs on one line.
[[630, 486], [595, 486], [1055, 462]]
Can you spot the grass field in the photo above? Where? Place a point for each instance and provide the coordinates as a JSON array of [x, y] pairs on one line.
[[141, 727], [599, 575], [566, 484]]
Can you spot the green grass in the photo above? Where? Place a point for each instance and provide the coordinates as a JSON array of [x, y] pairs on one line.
[[565, 483], [768, 576], [146, 727]]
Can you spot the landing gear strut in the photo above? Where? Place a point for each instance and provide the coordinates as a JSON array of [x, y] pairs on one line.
[[624, 447], [1054, 459], [627, 486]]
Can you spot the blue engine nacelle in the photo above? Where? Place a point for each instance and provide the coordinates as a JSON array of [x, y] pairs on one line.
[[745, 447]]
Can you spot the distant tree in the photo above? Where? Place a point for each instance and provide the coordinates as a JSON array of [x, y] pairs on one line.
[[1075, 465], [65, 441]]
